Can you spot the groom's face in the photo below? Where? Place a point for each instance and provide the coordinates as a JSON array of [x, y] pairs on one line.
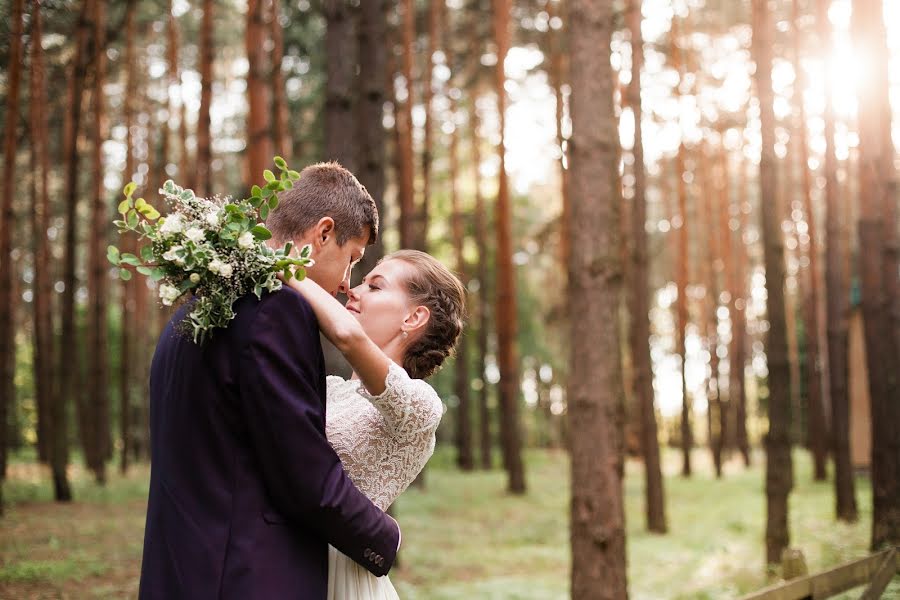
[[334, 262]]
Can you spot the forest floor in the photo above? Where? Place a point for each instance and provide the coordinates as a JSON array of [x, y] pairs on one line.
[[463, 536]]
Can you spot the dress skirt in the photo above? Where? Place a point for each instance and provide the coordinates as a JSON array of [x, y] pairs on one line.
[[349, 581]]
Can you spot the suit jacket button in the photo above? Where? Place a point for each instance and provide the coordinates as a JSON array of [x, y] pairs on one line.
[[380, 562], [367, 553]]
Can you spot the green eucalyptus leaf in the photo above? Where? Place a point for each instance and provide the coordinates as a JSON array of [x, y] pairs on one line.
[[112, 254], [273, 202], [264, 212], [132, 218], [294, 175], [268, 175], [125, 274], [144, 270], [255, 191], [130, 259], [129, 188], [261, 233], [266, 193], [124, 205], [157, 273], [287, 184], [279, 162]]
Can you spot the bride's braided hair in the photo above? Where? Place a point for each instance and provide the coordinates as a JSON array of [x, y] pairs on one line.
[[434, 286]]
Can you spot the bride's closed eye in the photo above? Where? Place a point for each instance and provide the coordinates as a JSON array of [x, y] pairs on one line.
[[373, 286]]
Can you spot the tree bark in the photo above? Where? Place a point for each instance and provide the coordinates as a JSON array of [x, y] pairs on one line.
[[340, 57], [484, 298], [595, 278], [837, 300], [681, 276], [97, 333], [640, 294], [507, 351], [557, 75], [462, 384], [739, 336], [281, 135], [370, 116], [7, 271], [403, 113], [434, 27], [259, 127], [779, 468], [203, 184], [811, 280], [878, 271]]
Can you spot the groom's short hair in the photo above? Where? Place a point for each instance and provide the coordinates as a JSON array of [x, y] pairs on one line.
[[325, 190]]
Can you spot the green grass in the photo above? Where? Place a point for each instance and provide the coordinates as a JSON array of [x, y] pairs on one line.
[[463, 536]]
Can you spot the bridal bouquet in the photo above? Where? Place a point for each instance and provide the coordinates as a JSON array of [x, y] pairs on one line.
[[211, 249]]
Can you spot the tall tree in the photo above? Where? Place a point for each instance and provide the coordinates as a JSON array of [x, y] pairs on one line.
[[557, 75], [42, 348], [779, 468], [281, 135], [130, 290], [506, 314], [878, 269], [681, 275], [370, 114], [595, 278], [340, 59], [97, 403], [837, 299], [434, 27], [738, 352], [403, 113], [203, 183], [7, 272], [811, 279], [640, 303], [259, 126], [69, 363], [484, 299]]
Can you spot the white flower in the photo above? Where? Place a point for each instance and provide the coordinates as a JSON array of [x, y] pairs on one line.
[[222, 268], [168, 294], [172, 224], [195, 234], [195, 277], [172, 255], [212, 218], [246, 241]]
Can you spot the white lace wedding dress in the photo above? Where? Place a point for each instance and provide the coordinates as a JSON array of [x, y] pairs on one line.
[[384, 441]]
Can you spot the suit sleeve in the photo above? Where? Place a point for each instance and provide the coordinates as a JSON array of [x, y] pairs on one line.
[[285, 417]]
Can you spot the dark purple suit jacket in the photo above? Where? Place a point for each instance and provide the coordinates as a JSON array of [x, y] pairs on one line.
[[245, 491]]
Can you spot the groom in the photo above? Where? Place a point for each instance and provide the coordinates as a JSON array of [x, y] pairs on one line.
[[245, 491]]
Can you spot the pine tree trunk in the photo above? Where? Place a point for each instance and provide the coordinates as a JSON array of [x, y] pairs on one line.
[[203, 183], [340, 55], [98, 367], [681, 276], [711, 305], [816, 430], [462, 384], [837, 301], [878, 271], [259, 127], [727, 439], [403, 113], [640, 294], [557, 75], [370, 116], [281, 134], [42, 348], [739, 337], [507, 352], [484, 298], [129, 288], [434, 17], [779, 468], [7, 272], [595, 277]]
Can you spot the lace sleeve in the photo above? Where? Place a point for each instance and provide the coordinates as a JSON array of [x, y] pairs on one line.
[[409, 406]]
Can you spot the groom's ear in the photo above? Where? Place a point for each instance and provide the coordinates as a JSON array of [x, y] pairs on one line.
[[323, 232]]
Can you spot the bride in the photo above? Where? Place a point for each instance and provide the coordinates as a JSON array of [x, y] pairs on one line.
[[397, 328]]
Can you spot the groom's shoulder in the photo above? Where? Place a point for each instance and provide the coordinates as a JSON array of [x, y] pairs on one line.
[[285, 303]]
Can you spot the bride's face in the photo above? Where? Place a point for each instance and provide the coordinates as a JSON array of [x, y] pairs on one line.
[[381, 304]]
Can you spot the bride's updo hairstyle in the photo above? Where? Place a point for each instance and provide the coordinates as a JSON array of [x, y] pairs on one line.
[[434, 286]]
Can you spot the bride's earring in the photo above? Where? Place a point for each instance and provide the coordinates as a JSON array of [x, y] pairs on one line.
[[404, 334]]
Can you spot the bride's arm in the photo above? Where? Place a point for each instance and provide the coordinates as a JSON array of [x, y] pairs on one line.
[[344, 331]]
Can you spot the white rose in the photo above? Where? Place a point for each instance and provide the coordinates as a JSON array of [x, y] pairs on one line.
[[225, 270], [195, 234], [212, 218], [172, 224], [222, 268], [168, 294], [246, 241], [195, 277]]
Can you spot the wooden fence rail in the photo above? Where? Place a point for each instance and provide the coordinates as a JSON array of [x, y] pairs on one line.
[[877, 570]]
